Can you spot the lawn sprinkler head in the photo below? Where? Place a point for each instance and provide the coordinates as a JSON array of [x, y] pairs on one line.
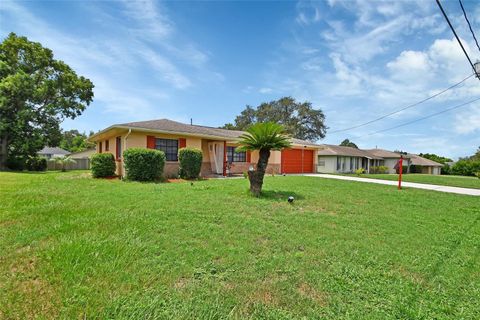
[[290, 199]]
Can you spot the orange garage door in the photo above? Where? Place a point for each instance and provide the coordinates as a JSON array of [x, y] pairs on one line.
[[292, 161]]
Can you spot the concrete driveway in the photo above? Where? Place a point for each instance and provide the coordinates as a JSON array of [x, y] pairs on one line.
[[467, 191]]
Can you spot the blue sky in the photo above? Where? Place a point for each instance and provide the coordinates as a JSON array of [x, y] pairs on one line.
[[355, 60]]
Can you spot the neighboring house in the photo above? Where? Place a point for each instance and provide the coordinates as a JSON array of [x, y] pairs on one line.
[[390, 159], [217, 145], [85, 154], [424, 165], [53, 152], [339, 159]]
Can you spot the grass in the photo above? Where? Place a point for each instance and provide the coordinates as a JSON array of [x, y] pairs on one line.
[[452, 181], [74, 247]]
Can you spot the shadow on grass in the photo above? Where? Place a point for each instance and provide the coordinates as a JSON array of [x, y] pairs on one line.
[[280, 195], [24, 172]]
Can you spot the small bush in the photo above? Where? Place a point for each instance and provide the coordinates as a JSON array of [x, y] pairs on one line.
[[103, 165], [36, 163], [379, 169], [190, 160], [359, 171], [477, 174], [15, 163], [143, 164]]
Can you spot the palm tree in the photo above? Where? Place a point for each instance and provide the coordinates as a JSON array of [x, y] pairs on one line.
[[63, 161], [263, 137]]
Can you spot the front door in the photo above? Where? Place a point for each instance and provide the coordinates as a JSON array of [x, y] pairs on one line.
[[215, 151]]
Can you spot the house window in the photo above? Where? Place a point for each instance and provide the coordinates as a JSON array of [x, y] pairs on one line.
[[107, 145], [169, 146], [100, 147], [119, 147], [351, 164], [339, 163], [233, 156]]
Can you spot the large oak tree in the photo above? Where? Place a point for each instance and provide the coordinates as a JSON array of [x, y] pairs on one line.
[[299, 119], [37, 93]]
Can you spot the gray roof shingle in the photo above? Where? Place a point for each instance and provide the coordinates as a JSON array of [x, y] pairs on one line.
[[166, 125], [53, 150]]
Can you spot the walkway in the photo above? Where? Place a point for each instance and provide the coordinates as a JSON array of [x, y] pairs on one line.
[[467, 191]]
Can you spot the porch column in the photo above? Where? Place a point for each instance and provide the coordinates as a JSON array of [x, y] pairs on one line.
[[224, 158]]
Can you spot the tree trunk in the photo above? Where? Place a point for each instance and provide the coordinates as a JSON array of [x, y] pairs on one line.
[[3, 152], [256, 177]]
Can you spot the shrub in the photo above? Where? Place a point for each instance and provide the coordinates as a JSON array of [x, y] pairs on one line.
[[465, 167], [477, 174], [446, 169], [103, 165], [15, 163], [143, 164], [379, 169], [36, 163], [190, 160], [359, 171]]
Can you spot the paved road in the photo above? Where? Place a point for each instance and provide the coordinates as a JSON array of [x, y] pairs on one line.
[[467, 191]]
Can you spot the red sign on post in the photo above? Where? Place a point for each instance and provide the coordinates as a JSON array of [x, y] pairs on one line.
[[400, 168]]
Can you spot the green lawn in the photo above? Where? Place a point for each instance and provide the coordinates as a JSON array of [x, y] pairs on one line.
[[72, 247], [453, 181]]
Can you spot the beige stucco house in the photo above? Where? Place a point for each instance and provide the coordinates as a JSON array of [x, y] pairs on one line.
[[217, 145]]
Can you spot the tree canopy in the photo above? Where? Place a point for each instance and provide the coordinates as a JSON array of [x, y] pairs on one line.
[[299, 119], [348, 143], [75, 141], [436, 158], [37, 93]]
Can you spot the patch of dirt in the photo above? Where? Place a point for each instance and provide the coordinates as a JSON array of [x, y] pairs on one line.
[[7, 223], [305, 290], [415, 277], [182, 283], [264, 296], [36, 296]]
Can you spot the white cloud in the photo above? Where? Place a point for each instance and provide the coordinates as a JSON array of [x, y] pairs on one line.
[[468, 121], [265, 90]]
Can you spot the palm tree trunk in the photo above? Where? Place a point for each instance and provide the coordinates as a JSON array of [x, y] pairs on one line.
[[256, 177]]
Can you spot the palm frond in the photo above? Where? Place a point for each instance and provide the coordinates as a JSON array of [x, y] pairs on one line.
[[267, 135]]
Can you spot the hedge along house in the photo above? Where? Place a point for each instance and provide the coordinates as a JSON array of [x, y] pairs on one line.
[[217, 145]]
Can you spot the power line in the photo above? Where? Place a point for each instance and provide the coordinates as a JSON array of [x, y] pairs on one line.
[[422, 118], [469, 25], [455, 33], [403, 108]]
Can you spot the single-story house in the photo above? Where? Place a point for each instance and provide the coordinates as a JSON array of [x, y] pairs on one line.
[[390, 159], [423, 165], [53, 152], [85, 154], [217, 145], [339, 159]]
